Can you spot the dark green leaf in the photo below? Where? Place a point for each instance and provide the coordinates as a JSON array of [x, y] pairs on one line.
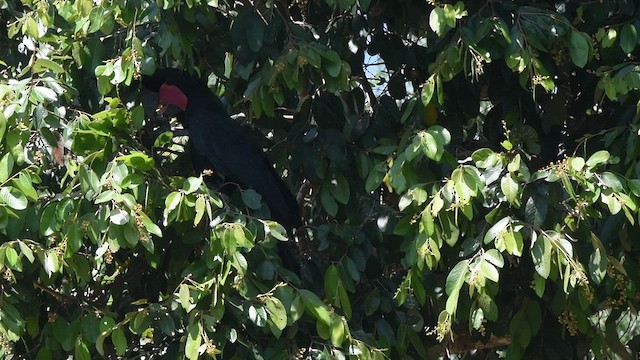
[[333, 64], [579, 48], [628, 38], [339, 188], [252, 199], [328, 202], [82, 351], [119, 341]]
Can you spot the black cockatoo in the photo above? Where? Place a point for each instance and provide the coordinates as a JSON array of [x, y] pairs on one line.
[[220, 144]]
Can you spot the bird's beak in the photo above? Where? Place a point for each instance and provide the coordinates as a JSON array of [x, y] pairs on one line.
[[162, 108], [168, 110]]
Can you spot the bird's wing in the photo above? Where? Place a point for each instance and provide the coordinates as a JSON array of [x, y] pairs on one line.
[[231, 151]]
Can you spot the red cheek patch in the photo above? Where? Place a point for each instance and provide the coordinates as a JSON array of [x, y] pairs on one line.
[[172, 95]]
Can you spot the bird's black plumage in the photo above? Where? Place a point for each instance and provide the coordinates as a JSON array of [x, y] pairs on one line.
[[221, 144]]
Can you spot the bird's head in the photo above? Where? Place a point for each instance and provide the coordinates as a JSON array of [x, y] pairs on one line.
[[177, 92], [174, 88], [171, 95]]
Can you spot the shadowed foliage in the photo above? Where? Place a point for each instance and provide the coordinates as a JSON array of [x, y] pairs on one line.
[[467, 173]]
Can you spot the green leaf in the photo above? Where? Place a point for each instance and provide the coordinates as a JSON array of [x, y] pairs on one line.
[[331, 279], [339, 188], [496, 229], [6, 167], [372, 302], [81, 350], [166, 323], [252, 199], [612, 181], [194, 340], [375, 177], [328, 202], [44, 354], [437, 21], [315, 306], [200, 210], [333, 65], [149, 225], [13, 197], [12, 257], [26, 251], [51, 262], [88, 180], [577, 163], [278, 313], [449, 15], [510, 188], [119, 340], [598, 263], [428, 88], [345, 301], [579, 48], [3, 126], [297, 309], [599, 157], [610, 37], [541, 255], [184, 296], [119, 216], [489, 271], [42, 65], [104, 85], [140, 322], [484, 158], [105, 196], [74, 238], [172, 201], [454, 283], [239, 262], [255, 32], [323, 330], [538, 284], [520, 330], [432, 146], [138, 160], [513, 242], [535, 209], [628, 38], [495, 257], [24, 183], [45, 93], [612, 203], [131, 235], [148, 66], [337, 332]]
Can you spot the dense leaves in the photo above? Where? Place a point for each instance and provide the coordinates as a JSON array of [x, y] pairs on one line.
[[468, 174]]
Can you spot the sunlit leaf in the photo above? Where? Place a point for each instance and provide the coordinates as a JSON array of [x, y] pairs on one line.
[[13, 198]]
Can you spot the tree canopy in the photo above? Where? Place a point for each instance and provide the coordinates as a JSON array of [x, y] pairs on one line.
[[468, 174]]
